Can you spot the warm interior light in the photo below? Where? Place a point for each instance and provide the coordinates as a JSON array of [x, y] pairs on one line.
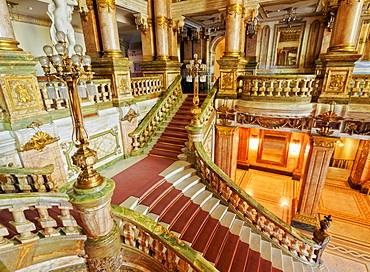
[[340, 143], [307, 150], [294, 148], [253, 142]]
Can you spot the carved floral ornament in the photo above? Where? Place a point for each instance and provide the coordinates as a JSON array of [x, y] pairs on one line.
[[274, 122], [161, 21], [131, 114]]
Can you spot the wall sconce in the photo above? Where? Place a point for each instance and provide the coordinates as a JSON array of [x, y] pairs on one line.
[[142, 22], [253, 142], [340, 143], [294, 148], [251, 22]]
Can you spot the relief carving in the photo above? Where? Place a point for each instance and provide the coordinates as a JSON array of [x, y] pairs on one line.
[[39, 141], [110, 263], [336, 83], [23, 94], [235, 9], [131, 114]]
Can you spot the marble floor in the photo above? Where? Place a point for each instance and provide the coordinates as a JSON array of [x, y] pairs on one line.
[[349, 249]]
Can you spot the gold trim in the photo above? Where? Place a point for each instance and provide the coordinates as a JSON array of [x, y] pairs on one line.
[[324, 141], [343, 48], [235, 9], [39, 141], [112, 54], [9, 45], [163, 58], [131, 114], [233, 54], [223, 130]]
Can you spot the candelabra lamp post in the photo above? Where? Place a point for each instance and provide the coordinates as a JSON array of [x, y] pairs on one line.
[[196, 73], [74, 81]]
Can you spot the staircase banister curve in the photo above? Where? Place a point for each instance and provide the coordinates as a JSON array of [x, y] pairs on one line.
[[234, 190], [31, 198], [161, 102], [164, 236]]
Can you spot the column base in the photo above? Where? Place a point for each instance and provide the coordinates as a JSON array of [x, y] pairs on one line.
[[304, 223], [167, 69]]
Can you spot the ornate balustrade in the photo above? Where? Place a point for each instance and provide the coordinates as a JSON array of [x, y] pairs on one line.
[[25, 180], [291, 240], [359, 86], [140, 232], [17, 226], [104, 94], [156, 116], [341, 163], [146, 86], [278, 87]]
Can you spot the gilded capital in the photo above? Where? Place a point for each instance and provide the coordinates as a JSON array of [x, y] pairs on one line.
[[235, 9], [324, 141], [161, 21], [224, 130], [103, 4]]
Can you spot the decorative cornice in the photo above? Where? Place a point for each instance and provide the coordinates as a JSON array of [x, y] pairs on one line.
[[224, 130], [324, 141]]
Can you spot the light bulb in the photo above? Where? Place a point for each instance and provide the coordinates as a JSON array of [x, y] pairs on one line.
[[188, 66], [76, 60], [86, 60], [44, 61], [91, 88], [195, 56], [60, 48], [61, 37], [200, 61], [192, 62], [50, 88], [48, 50], [78, 49], [57, 60]]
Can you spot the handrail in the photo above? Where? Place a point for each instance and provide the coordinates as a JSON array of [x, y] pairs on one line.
[[156, 115], [141, 232], [289, 238], [146, 85]]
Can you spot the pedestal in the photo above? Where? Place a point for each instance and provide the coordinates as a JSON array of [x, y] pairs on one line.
[[168, 70], [230, 69], [117, 69]]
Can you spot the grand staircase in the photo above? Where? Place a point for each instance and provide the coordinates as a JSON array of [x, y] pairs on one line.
[[183, 204]]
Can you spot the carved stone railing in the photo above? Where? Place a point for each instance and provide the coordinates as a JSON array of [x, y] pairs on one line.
[[289, 239], [25, 180], [156, 116], [146, 86], [359, 86], [21, 229], [140, 232], [278, 87], [341, 163], [103, 88]]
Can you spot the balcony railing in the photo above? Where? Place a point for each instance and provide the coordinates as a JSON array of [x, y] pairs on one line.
[[282, 87], [25, 180], [359, 86], [141, 86]]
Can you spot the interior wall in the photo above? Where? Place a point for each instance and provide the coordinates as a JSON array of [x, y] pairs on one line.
[[257, 149], [32, 38], [219, 52], [348, 150]]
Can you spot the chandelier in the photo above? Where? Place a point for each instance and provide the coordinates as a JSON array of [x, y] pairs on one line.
[[290, 16]]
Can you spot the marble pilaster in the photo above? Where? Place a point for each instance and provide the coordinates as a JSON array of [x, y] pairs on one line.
[[360, 173], [318, 161], [226, 149], [161, 25]]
